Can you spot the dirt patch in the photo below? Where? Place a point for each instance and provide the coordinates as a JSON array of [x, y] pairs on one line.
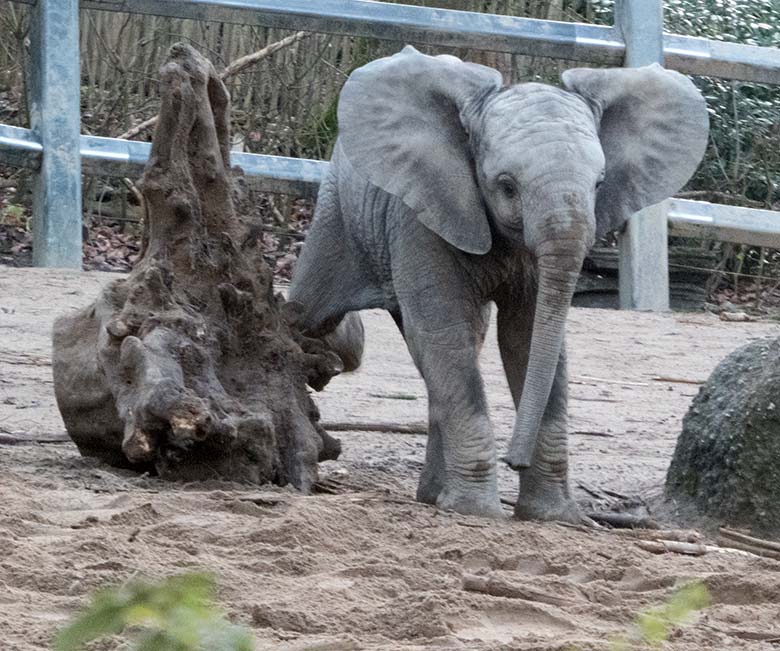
[[368, 568]]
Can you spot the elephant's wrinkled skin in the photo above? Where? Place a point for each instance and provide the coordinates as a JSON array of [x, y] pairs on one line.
[[447, 191]]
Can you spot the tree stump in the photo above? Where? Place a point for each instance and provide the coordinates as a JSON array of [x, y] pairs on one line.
[[727, 463], [191, 367]]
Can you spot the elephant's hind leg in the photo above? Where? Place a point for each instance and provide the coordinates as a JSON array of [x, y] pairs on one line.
[[331, 282], [347, 341]]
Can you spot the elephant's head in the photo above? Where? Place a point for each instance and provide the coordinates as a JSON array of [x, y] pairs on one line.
[[540, 167]]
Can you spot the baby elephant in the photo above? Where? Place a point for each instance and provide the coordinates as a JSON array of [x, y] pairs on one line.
[[448, 190]]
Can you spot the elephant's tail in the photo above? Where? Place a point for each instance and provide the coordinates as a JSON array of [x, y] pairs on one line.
[[347, 341]]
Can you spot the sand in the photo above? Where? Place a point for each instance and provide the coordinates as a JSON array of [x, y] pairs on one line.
[[367, 567]]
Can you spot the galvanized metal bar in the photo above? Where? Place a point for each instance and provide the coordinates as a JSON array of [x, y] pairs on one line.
[[644, 258], [701, 56], [19, 147], [396, 22], [575, 41], [55, 123], [299, 177], [724, 223]]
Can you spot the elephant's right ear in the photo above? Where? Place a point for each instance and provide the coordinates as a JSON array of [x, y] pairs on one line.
[[401, 127]]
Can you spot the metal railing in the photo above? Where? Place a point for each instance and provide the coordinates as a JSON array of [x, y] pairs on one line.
[[56, 150]]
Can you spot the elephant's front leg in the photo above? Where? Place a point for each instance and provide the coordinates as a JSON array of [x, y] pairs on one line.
[[544, 487], [460, 465]]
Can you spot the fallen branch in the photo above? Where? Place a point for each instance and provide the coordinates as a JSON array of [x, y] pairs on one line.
[[751, 549], [688, 549], [499, 588], [624, 520], [390, 428], [684, 536], [750, 540], [665, 546], [232, 69]]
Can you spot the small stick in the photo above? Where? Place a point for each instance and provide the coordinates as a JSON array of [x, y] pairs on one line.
[[592, 491], [584, 432], [664, 546], [390, 428], [750, 540], [661, 534], [585, 379], [624, 520], [499, 588], [689, 549], [10, 439], [676, 380], [753, 549]]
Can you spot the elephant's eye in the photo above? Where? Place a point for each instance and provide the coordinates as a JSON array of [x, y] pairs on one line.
[[507, 187]]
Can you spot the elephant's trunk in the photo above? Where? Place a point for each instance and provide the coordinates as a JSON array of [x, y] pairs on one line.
[[558, 270]]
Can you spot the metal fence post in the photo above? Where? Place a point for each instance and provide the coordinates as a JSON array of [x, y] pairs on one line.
[[644, 255], [54, 95]]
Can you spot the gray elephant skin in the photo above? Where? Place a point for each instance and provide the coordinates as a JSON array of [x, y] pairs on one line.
[[448, 191]]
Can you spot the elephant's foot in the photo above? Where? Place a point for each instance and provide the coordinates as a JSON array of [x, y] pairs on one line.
[[429, 487], [482, 502], [546, 500]]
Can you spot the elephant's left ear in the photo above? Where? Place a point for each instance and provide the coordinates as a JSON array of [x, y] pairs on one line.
[[653, 130]]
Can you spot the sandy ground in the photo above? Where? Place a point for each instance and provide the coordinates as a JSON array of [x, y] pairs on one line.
[[368, 568]]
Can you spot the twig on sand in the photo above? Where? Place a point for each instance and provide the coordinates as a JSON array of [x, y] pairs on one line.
[[232, 69], [624, 520], [735, 540], [676, 380], [688, 549], [665, 546], [585, 432], [589, 379], [390, 428], [11, 439], [500, 588], [750, 540], [682, 535]]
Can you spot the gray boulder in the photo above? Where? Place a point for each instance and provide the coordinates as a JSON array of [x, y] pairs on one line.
[[726, 467]]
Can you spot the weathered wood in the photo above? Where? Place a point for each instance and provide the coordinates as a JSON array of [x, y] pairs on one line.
[[191, 366], [749, 540]]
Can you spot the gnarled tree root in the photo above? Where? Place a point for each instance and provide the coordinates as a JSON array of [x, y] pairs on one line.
[[191, 366]]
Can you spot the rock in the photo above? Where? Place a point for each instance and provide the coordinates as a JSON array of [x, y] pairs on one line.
[[726, 466]]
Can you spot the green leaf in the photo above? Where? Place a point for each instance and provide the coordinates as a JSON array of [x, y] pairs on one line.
[[175, 614]]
